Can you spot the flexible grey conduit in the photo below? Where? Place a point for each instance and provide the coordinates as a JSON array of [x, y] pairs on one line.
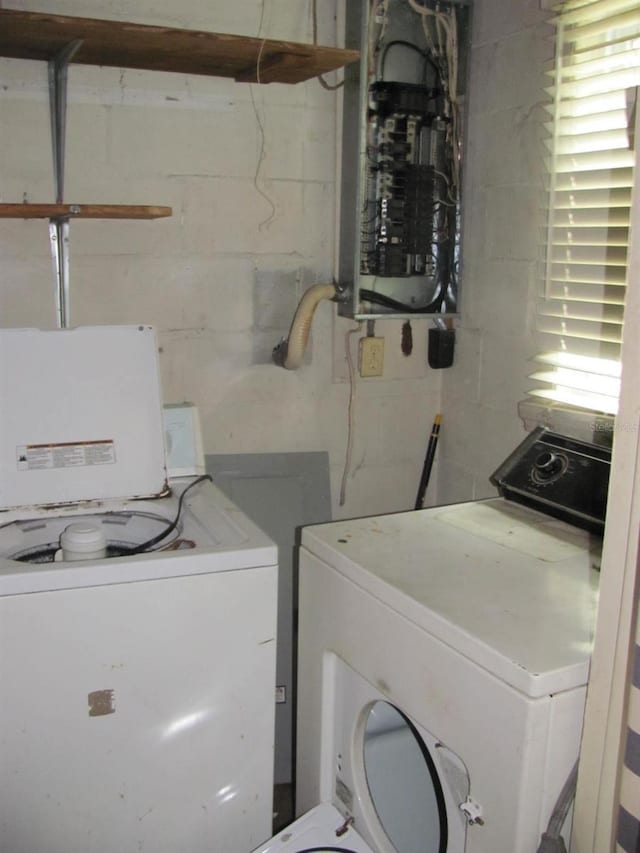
[[552, 841]]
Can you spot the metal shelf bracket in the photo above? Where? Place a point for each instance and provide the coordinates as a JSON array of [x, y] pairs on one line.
[[59, 226]]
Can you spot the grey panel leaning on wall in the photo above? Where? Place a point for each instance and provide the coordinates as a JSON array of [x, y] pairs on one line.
[[280, 492]]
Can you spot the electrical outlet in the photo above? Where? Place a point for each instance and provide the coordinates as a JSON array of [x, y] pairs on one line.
[[371, 361]]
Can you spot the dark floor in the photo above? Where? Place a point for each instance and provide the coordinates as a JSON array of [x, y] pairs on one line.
[[282, 807]]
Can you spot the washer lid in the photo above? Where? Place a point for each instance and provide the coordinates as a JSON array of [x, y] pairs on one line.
[[316, 830], [80, 415]]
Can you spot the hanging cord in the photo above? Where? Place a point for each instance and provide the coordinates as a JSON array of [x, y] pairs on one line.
[[262, 152], [350, 412], [331, 87]]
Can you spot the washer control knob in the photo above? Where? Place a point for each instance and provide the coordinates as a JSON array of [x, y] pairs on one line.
[[548, 464]]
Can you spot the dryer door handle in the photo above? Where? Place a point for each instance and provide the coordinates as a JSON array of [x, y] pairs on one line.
[[472, 811]]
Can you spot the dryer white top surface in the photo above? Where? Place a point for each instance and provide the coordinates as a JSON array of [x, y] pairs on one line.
[[511, 589], [217, 537]]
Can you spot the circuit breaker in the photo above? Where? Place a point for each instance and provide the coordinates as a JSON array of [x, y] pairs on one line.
[[402, 158]]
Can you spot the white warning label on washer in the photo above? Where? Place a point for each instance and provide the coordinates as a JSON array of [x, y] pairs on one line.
[[72, 454]]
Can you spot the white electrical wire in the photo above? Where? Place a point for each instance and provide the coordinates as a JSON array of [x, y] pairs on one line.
[[446, 27], [350, 411], [377, 26], [451, 199]]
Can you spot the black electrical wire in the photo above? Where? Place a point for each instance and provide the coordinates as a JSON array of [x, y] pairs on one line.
[[426, 56], [387, 302], [145, 546], [326, 850]]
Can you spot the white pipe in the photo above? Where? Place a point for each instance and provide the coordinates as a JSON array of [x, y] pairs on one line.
[[290, 352]]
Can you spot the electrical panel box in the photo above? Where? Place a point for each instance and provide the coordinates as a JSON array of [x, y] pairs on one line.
[[402, 158]]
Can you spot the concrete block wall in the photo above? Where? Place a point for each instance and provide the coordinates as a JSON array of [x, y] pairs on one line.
[[503, 220], [393, 416], [220, 279]]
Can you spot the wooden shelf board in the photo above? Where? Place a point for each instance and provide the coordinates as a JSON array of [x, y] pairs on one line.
[[34, 35], [83, 211]]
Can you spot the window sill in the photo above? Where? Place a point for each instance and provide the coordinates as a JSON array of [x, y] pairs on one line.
[[582, 424]]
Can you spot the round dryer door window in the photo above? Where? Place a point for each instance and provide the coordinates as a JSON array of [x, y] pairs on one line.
[[403, 783]]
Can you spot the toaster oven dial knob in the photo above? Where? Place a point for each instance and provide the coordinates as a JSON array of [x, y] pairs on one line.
[[549, 466]]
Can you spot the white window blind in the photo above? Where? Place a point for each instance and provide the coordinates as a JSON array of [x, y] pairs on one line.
[[580, 315]]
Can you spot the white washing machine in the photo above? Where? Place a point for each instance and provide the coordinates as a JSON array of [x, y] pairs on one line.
[[137, 690], [443, 662]]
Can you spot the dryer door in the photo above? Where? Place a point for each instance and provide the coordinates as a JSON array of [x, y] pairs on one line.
[[403, 782], [316, 832], [403, 786]]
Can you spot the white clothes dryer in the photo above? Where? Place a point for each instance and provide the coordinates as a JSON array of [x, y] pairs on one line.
[[137, 616], [443, 661]]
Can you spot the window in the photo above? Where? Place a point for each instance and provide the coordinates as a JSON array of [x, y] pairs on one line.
[[580, 315]]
